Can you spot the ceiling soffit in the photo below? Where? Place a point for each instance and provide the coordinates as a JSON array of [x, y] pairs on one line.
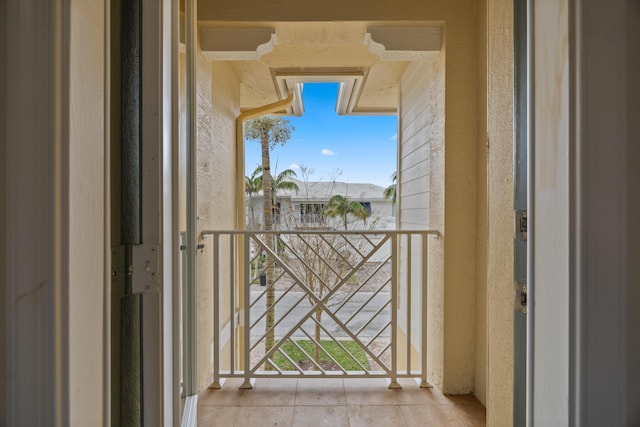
[[275, 58]]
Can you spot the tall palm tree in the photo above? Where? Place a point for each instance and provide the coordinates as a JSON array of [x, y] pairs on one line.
[[340, 206], [390, 191], [253, 185], [269, 131]]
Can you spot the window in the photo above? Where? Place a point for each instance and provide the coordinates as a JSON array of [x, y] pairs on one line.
[[367, 206], [311, 212]]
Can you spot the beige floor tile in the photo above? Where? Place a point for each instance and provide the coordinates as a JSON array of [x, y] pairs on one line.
[[470, 409], [262, 416], [376, 416], [368, 391], [412, 394], [276, 392], [365, 383], [212, 416], [318, 402], [432, 415], [229, 394], [320, 391], [320, 416]]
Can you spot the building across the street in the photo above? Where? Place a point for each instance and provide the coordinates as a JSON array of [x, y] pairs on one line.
[[304, 207]]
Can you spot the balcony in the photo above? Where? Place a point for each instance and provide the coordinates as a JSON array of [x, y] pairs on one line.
[[319, 304], [335, 402]]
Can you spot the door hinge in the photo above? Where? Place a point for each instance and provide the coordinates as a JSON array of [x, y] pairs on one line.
[[520, 297], [521, 224], [146, 261]]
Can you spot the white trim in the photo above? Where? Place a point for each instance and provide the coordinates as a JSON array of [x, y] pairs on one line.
[[190, 414]]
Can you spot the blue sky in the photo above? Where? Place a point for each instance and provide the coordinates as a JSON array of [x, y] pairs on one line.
[[362, 147]]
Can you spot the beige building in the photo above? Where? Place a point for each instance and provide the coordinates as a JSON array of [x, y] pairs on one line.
[[304, 207], [88, 239]]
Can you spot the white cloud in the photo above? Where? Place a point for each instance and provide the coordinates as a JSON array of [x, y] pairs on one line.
[[394, 137], [294, 166], [327, 152]]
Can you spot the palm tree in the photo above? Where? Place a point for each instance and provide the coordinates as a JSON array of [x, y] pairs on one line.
[[390, 191], [269, 131], [340, 206], [253, 185], [282, 182]]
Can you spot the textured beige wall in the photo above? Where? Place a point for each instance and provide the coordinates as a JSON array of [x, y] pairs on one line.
[[449, 205], [460, 198], [480, 305], [205, 145], [500, 205], [218, 93]]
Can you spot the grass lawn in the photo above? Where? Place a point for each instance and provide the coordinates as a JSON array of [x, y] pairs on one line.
[[331, 347]]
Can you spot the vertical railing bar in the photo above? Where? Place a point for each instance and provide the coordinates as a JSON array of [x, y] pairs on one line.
[[216, 311], [409, 238], [246, 313], [232, 302], [425, 276], [394, 313]]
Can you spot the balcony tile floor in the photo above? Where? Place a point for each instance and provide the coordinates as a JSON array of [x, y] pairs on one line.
[[335, 403]]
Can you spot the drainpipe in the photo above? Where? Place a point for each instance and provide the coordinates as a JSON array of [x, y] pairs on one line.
[[246, 115], [240, 217]]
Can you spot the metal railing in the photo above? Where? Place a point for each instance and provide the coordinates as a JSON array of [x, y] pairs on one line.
[[319, 304]]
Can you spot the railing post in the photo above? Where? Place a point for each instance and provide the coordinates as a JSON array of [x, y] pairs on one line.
[[394, 313], [246, 310], [425, 290], [216, 312]]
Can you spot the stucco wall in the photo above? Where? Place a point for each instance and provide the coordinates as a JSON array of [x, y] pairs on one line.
[[205, 144], [480, 306], [218, 94], [451, 203]]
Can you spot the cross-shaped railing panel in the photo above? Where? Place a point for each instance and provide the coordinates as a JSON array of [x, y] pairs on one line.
[[319, 303]]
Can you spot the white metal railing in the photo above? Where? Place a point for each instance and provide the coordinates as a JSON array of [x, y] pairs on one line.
[[319, 303]]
